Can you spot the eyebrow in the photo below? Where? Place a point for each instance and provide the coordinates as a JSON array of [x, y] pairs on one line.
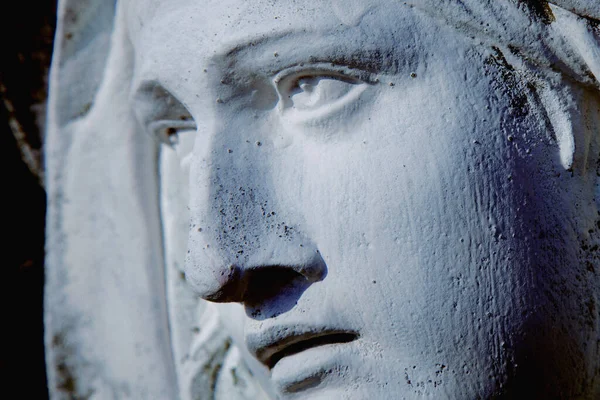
[[367, 52], [271, 54]]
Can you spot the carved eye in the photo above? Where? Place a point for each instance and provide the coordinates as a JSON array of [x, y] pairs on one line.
[[169, 130], [317, 92], [161, 114]]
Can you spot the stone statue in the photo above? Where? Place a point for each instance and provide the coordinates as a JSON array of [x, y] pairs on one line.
[[379, 200]]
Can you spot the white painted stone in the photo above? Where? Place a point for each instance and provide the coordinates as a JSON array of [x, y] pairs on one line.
[[383, 199]]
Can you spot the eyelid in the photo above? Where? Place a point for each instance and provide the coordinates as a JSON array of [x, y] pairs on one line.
[[167, 130], [324, 69]]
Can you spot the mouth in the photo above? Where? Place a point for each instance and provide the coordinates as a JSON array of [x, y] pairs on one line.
[[284, 345]]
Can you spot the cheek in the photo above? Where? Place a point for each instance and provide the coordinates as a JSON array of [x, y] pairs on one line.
[[392, 175], [414, 195]]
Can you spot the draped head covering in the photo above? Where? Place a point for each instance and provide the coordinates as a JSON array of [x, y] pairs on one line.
[[554, 41], [562, 34]]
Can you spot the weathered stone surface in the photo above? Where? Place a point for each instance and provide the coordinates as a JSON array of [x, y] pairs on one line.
[[383, 199]]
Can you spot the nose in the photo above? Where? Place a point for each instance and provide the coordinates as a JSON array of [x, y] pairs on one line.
[[245, 245], [219, 280]]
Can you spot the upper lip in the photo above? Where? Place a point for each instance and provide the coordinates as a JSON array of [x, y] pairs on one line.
[[272, 344]]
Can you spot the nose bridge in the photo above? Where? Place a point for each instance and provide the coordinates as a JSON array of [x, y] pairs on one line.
[[235, 194], [229, 203], [237, 225]]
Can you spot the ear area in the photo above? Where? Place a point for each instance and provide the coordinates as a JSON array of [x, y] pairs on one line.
[[107, 334]]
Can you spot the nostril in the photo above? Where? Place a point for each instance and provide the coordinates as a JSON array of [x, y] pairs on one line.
[[265, 283], [275, 289]]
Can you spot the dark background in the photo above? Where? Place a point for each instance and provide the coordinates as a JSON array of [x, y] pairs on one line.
[[27, 29]]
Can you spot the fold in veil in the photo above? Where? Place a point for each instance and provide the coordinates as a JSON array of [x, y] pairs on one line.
[[106, 317], [106, 324], [563, 34], [110, 332], [551, 42]]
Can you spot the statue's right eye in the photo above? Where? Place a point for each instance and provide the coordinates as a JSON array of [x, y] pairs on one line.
[[168, 130], [161, 114]]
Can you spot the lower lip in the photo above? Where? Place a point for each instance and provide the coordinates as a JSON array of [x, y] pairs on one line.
[[310, 368]]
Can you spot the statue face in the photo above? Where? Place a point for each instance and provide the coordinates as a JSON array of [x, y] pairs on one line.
[[375, 200]]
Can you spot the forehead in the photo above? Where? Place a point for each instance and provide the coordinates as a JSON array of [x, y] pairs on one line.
[[176, 40], [218, 21]]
